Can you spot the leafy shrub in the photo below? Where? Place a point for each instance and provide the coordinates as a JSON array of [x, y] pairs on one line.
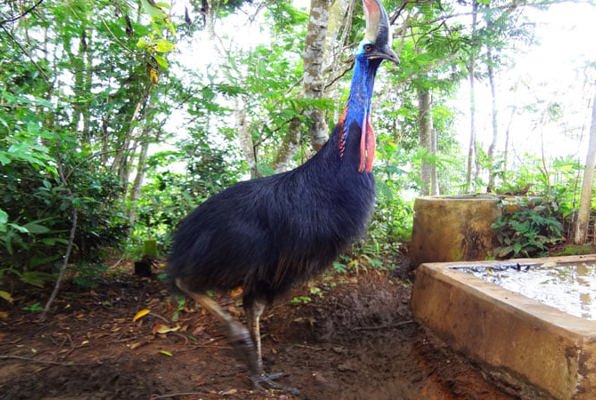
[[42, 206], [167, 197], [37, 210], [527, 229]]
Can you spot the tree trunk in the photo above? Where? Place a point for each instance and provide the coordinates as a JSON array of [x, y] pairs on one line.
[[209, 17], [493, 144], [320, 38], [88, 85], [426, 141], [313, 81], [434, 177], [507, 135], [245, 139], [471, 70], [140, 176], [339, 27], [122, 156], [585, 205], [289, 146]]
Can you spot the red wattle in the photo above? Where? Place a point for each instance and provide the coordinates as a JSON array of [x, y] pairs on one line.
[[363, 144], [370, 146]]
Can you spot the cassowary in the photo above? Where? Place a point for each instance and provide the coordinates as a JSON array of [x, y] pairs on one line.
[[267, 234]]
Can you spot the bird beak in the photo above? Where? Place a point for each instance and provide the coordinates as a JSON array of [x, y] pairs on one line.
[[385, 54], [378, 31]]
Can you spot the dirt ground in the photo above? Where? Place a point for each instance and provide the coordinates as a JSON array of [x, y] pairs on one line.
[[355, 339]]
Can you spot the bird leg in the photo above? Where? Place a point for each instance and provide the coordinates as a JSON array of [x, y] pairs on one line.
[[237, 334], [253, 315], [241, 339], [254, 310]]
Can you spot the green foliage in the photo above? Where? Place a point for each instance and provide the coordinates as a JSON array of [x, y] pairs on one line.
[[576, 250], [527, 229], [180, 305], [88, 275], [167, 197], [558, 181], [41, 206], [298, 300], [33, 308]]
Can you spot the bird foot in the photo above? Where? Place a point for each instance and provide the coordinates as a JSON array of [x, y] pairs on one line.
[[264, 381]]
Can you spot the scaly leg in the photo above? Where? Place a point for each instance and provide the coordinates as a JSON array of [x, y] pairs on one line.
[[253, 315], [237, 334], [241, 339], [254, 310]]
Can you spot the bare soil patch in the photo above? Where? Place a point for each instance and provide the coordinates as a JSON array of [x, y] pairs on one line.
[[356, 340]]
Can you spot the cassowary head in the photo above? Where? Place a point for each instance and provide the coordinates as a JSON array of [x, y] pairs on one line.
[[374, 48], [376, 44]]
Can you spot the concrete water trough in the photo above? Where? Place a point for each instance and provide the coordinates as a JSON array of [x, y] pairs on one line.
[[536, 350]]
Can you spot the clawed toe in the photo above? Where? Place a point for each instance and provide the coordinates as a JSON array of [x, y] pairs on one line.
[[276, 375], [265, 381]]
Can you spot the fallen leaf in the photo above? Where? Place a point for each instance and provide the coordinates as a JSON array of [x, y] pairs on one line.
[[161, 328], [6, 296], [136, 345], [236, 292], [198, 330], [165, 353], [229, 392], [141, 314]]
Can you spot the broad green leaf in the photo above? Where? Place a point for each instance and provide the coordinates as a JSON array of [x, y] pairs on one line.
[[35, 278], [35, 228], [18, 228], [161, 61], [163, 46], [142, 43], [4, 160], [152, 10], [37, 261]]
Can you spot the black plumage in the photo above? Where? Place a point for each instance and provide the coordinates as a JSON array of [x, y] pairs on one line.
[[267, 234]]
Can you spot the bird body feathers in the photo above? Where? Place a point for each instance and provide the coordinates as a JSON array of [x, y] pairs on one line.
[[269, 233]]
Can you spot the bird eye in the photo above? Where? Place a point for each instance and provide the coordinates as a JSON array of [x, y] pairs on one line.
[[368, 48]]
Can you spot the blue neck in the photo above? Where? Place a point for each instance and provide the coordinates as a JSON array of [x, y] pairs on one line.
[[361, 90], [359, 101]]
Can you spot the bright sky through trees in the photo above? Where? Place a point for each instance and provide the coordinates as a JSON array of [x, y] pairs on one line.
[[548, 73]]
